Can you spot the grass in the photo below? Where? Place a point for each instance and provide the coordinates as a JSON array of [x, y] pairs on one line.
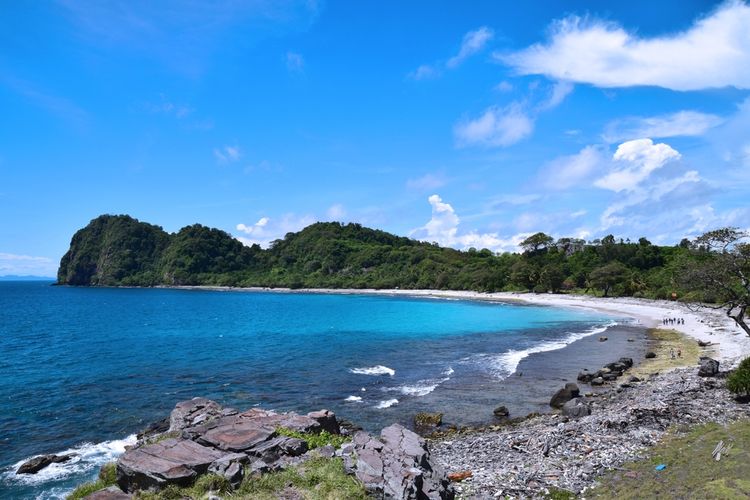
[[661, 343], [691, 472], [107, 477], [323, 438], [316, 479]]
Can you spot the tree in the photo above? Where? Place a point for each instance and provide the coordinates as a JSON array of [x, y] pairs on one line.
[[536, 243], [608, 276], [721, 268], [551, 277]]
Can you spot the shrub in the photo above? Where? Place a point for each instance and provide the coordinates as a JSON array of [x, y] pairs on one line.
[[107, 477], [318, 440], [739, 381]]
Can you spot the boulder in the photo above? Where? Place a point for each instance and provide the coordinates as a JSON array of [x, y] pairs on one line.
[[38, 463], [327, 420], [603, 339], [708, 367], [633, 379], [576, 408], [193, 412], [236, 435], [597, 381], [501, 411], [650, 355], [111, 493], [628, 362], [398, 466], [231, 467], [426, 423], [167, 462], [564, 395], [586, 377]]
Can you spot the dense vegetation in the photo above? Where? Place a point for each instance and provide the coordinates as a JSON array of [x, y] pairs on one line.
[[120, 250]]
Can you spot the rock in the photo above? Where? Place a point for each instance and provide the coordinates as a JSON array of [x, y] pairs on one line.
[[111, 493], [348, 428], [457, 477], [398, 466], [576, 408], [327, 420], [154, 429], [231, 467], [703, 344], [501, 411], [327, 451], [603, 339], [425, 422], [277, 447], [597, 381], [708, 367], [237, 435], [650, 355], [564, 395], [628, 362], [586, 377], [38, 463], [633, 379], [193, 412], [167, 462]]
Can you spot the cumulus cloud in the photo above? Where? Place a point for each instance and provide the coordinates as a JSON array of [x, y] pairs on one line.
[[442, 228], [295, 62], [573, 170], [473, 42], [495, 127], [227, 154], [682, 123], [713, 53], [23, 265], [640, 158], [267, 229]]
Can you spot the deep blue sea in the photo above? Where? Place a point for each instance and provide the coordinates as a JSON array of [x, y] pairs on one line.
[[84, 368]]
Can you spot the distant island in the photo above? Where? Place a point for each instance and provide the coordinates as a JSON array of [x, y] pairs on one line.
[[118, 250], [25, 277]]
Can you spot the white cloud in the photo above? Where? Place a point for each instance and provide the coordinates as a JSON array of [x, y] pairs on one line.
[[336, 212], [515, 199], [560, 90], [268, 229], [504, 86], [641, 157], [473, 42], [570, 171], [713, 53], [295, 62], [682, 123], [496, 127], [424, 72], [427, 182], [227, 154], [442, 228], [23, 265]]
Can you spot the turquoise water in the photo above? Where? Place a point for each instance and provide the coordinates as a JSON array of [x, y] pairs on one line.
[[85, 368]]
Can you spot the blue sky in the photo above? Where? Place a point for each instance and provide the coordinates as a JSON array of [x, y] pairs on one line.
[[469, 126]]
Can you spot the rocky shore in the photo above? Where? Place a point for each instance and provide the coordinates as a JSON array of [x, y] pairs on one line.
[[570, 450]]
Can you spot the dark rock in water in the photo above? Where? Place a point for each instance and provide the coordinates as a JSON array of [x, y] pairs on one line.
[[398, 466], [564, 395], [586, 377], [327, 420], [501, 411], [576, 408], [628, 362], [709, 367], [38, 463], [597, 381], [168, 462], [609, 377], [426, 423], [603, 339], [650, 355], [111, 493], [347, 427]]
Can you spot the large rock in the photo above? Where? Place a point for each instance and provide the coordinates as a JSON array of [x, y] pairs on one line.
[[586, 377], [231, 467], [576, 408], [398, 466], [564, 395], [327, 420], [236, 435], [708, 367], [167, 462], [193, 412], [38, 463], [111, 493]]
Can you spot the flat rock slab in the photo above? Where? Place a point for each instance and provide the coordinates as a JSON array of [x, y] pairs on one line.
[[237, 435], [167, 462], [111, 493]]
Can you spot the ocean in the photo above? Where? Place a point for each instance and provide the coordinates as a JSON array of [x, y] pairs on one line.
[[84, 369]]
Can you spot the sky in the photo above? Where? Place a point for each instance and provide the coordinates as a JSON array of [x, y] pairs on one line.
[[470, 125]]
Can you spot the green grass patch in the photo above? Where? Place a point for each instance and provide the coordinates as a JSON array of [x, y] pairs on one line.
[[107, 477], [318, 440], [691, 471]]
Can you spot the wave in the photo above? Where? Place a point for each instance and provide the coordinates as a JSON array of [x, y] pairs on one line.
[[87, 457], [374, 370], [421, 388], [354, 399], [449, 371], [506, 364], [386, 404]]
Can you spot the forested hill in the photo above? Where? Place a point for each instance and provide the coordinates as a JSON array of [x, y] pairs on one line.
[[120, 250]]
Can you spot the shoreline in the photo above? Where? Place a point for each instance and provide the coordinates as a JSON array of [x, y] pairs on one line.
[[729, 344]]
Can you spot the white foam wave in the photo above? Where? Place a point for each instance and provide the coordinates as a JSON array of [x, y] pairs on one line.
[[386, 404], [87, 457], [374, 370], [421, 388], [506, 364], [354, 399], [449, 371]]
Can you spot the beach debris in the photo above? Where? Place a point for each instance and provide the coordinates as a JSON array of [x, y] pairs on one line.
[[660, 467], [457, 477], [720, 448], [38, 463], [564, 395], [702, 343], [708, 367], [603, 339]]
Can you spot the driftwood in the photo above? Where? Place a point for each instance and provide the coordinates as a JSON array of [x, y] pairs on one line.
[[720, 448]]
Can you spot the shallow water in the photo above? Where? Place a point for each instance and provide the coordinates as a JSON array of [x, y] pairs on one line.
[[83, 365]]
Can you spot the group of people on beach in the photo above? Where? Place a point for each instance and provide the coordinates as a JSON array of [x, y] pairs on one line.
[[673, 321]]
